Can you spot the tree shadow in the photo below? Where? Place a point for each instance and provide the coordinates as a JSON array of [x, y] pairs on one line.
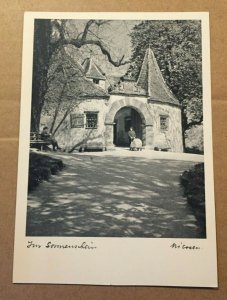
[[104, 196]]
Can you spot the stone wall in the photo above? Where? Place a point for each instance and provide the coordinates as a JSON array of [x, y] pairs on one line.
[[117, 102], [69, 138], [172, 137], [150, 113]]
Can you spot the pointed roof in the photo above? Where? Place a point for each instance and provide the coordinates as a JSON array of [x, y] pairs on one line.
[[151, 80], [78, 85], [92, 70]]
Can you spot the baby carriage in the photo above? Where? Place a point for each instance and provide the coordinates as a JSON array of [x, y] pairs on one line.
[[136, 144]]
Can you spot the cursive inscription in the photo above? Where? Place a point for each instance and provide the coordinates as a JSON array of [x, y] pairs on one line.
[[33, 245], [50, 245], [83, 246], [184, 246]]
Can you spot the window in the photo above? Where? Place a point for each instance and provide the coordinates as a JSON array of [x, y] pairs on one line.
[[164, 122], [77, 120], [91, 119], [96, 81]]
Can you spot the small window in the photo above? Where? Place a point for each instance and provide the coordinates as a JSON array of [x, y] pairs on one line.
[[77, 120], [96, 81], [91, 119], [164, 122]]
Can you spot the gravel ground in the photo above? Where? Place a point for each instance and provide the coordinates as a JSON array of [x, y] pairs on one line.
[[115, 194]]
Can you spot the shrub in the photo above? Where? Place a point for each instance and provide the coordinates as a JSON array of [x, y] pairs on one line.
[[41, 167], [194, 189], [194, 140]]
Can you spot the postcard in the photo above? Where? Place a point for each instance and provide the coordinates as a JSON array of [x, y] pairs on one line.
[[115, 172]]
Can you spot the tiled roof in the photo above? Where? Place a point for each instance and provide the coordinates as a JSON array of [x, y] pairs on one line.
[[127, 88], [78, 85], [150, 83], [92, 70], [151, 80]]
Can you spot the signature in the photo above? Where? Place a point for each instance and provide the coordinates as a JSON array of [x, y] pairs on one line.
[[184, 246]]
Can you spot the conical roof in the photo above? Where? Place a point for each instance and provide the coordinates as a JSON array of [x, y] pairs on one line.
[[92, 70], [151, 80]]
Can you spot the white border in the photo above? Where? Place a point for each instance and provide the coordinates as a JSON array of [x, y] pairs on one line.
[[116, 261]]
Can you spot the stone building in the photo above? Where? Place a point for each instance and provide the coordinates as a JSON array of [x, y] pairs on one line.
[[94, 73], [101, 119]]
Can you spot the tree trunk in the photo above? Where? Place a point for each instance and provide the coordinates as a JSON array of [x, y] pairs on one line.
[[43, 50], [183, 121]]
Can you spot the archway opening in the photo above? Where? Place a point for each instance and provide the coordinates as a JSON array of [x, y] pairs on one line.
[[125, 118]]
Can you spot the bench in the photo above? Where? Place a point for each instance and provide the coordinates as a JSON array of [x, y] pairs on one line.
[[164, 149], [92, 147], [37, 142]]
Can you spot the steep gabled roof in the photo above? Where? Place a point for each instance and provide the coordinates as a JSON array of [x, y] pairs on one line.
[[151, 80], [78, 85], [150, 83], [92, 70]]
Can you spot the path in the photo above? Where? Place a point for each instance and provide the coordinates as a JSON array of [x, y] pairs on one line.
[[114, 195]]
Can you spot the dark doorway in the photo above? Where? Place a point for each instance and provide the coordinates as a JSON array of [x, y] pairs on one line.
[[125, 118]]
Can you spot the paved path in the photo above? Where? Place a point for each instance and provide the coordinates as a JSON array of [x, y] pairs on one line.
[[114, 194]]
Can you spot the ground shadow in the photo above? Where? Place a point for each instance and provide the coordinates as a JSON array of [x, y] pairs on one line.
[[105, 196]]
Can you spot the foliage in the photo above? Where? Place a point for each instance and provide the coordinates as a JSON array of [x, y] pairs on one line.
[[41, 167], [50, 36], [177, 48], [193, 182], [194, 140]]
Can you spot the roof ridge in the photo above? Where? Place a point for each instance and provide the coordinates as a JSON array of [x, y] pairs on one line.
[[143, 64], [77, 66], [151, 79], [74, 62], [89, 66], [149, 72], [159, 73], [97, 71]]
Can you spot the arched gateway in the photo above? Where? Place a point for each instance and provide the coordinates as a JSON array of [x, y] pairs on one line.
[[135, 113], [103, 117]]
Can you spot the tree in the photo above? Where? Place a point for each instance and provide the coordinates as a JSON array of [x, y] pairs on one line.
[[177, 47], [58, 97], [67, 87], [43, 50], [51, 36]]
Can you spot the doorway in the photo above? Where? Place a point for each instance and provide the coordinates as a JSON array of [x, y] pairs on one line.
[[125, 118]]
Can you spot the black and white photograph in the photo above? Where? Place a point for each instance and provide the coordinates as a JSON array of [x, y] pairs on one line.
[[114, 142]]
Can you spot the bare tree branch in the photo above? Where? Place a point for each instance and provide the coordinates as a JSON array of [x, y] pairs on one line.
[[79, 43], [82, 40], [60, 26], [102, 22], [87, 26]]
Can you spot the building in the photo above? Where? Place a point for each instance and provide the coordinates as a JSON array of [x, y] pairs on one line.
[[94, 73], [101, 119]]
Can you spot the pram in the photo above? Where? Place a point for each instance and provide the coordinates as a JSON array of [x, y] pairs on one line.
[[136, 144]]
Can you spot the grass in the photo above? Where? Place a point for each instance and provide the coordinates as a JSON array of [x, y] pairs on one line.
[[41, 167]]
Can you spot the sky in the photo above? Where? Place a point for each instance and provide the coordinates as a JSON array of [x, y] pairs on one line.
[[115, 36]]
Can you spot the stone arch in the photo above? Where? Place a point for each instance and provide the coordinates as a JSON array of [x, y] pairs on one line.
[[140, 107], [134, 103]]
